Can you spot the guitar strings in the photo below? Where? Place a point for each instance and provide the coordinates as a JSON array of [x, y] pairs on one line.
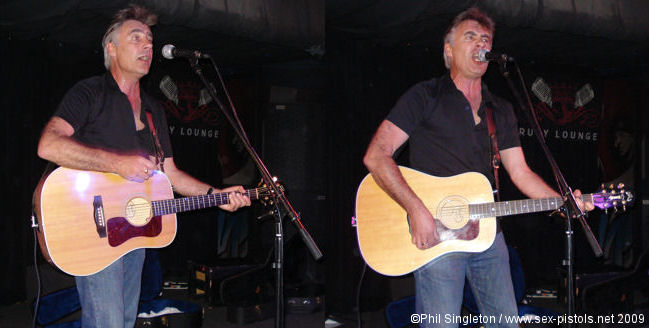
[[175, 202]]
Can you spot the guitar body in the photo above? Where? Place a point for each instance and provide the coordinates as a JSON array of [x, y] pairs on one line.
[[65, 205], [384, 233]]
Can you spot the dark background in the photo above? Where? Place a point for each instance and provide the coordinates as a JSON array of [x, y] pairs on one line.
[[312, 80]]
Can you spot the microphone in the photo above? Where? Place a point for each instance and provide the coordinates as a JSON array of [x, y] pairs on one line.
[[169, 51], [485, 55]]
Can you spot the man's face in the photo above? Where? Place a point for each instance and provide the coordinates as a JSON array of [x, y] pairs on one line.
[[468, 39], [132, 52]]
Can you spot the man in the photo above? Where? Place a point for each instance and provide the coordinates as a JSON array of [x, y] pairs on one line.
[[101, 125], [444, 121]]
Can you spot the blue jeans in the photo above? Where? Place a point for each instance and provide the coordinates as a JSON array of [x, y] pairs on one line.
[[110, 297], [439, 287]]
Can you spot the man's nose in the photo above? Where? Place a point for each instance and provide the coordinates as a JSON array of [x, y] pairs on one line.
[[148, 43]]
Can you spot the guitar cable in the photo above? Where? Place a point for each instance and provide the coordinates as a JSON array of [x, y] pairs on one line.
[[359, 322], [49, 167], [37, 271]]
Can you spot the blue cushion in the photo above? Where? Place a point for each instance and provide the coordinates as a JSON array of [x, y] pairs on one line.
[[57, 305], [398, 312]]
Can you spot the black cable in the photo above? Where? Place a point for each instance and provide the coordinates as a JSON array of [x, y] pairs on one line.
[[358, 296], [38, 277]]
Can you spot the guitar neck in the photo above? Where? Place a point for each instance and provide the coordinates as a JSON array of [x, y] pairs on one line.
[[177, 205], [487, 210]]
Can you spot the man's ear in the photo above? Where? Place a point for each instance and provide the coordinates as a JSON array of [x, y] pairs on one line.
[[447, 50], [110, 48]]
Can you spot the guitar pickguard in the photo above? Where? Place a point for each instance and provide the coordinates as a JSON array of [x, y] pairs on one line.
[[120, 230], [469, 231]]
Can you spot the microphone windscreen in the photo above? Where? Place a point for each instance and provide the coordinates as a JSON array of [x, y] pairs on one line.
[[168, 51], [482, 55]]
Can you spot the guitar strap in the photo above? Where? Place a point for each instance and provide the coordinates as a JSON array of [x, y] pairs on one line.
[[156, 142], [495, 155]]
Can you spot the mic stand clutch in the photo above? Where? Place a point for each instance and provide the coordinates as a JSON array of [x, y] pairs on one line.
[[570, 207], [281, 202]]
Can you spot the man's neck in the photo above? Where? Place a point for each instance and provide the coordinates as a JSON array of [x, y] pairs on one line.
[[129, 85], [470, 87]]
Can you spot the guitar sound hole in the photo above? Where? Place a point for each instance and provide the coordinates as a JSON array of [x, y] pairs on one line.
[[138, 211], [453, 212]]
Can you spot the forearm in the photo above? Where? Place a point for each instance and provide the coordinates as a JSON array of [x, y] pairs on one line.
[[388, 176], [186, 185], [532, 185], [65, 151], [378, 160]]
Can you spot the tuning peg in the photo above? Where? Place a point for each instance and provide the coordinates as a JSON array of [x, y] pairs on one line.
[[606, 210], [620, 186]]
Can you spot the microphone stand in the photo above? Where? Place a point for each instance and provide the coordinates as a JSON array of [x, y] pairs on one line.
[[570, 207], [281, 202]]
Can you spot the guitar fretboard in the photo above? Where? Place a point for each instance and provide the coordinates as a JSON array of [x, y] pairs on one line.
[[177, 205], [486, 210]]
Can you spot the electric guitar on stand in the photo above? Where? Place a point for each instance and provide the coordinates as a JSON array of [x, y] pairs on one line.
[[464, 211], [87, 219]]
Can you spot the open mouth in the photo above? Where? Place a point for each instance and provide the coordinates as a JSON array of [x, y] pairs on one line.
[[144, 58]]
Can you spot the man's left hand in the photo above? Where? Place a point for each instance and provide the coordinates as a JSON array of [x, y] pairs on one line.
[[584, 206], [236, 197]]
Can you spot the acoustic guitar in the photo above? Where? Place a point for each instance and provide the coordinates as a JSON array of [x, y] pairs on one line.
[[464, 211], [87, 219]]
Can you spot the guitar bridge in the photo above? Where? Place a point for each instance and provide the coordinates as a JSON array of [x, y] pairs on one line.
[[98, 215]]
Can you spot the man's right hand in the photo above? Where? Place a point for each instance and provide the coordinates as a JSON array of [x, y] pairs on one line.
[[423, 230], [134, 167]]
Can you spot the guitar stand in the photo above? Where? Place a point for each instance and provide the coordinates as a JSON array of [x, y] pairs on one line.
[[570, 208], [280, 201]]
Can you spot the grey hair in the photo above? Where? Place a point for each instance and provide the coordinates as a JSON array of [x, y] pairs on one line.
[[132, 12], [472, 13]]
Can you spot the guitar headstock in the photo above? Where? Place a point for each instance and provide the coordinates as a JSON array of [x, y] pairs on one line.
[[613, 197], [266, 193]]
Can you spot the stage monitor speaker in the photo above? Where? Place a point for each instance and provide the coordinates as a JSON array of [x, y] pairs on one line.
[[294, 144], [294, 148]]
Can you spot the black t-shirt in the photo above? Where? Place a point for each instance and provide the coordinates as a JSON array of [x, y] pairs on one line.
[[101, 116], [443, 137]]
